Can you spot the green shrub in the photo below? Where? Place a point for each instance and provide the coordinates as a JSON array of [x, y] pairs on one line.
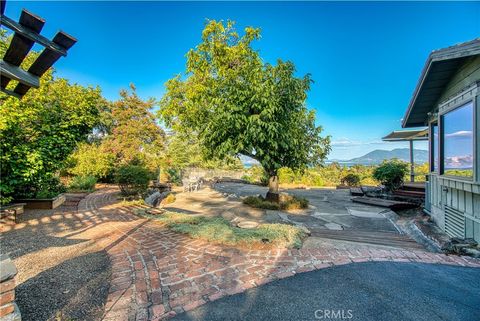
[[82, 184], [391, 173], [259, 202], [294, 203], [170, 198], [351, 179], [219, 230], [132, 179], [47, 186], [91, 160]]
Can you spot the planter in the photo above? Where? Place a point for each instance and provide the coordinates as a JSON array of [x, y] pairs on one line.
[[9, 213], [43, 204]]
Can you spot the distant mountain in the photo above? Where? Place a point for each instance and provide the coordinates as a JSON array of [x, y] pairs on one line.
[[377, 156]]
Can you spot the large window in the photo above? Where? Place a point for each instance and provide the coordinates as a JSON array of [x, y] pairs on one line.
[[434, 148], [457, 138]]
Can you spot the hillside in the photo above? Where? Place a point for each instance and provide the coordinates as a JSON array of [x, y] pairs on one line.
[[378, 155]]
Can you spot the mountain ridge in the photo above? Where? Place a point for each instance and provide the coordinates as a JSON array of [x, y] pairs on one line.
[[379, 155]]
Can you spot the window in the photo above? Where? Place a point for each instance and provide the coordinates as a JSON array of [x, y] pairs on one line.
[[434, 148], [457, 138]]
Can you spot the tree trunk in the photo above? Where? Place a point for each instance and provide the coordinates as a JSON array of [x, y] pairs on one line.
[[273, 195], [273, 184]]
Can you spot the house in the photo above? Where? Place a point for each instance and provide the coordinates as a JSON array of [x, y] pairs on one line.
[[447, 100]]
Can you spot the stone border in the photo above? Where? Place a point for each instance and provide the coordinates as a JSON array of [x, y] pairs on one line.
[[8, 308]]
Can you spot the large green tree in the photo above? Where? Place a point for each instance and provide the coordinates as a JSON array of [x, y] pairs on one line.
[[38, 132], [236, 104]]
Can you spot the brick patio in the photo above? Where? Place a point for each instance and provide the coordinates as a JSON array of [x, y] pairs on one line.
[[157, 273]]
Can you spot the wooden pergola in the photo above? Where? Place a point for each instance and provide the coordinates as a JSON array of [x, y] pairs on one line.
[[408, 135], [26, 34]]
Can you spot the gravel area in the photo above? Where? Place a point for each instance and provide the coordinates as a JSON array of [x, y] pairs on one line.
[[63, 271]]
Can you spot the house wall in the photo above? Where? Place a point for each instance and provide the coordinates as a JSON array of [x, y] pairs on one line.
[[459, 194], [466, 75]]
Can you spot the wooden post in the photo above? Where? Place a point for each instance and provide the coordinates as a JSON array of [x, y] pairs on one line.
[[412, 164]]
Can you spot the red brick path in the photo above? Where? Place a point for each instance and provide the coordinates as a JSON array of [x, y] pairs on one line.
[[157, 273]]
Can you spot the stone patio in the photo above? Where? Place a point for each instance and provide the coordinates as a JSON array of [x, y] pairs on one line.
[[156, 273]]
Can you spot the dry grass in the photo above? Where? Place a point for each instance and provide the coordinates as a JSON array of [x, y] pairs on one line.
[[293, 203], [219, 230]]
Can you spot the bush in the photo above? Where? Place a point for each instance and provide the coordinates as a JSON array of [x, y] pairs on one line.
[[170, 198], [391, 174], [291, 203], [82, 184], [294, 203], [351, 180], [47, 186], [132, 179], [259, 202], [91, 160]]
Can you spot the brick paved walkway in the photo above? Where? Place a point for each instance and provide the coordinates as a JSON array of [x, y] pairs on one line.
[[157, 273]]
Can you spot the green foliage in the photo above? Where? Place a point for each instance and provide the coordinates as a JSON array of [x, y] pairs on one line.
[[169, 199], [391, 173], [236, 104], [38, 132], [219, 230], [259, 202], [82, 184], [91, 160], [133, 202], [292, 203], [135, 135], [256, 174], [132, 179], [351, 179]]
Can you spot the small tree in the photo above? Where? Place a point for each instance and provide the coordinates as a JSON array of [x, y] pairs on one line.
[[391, 173], [236, 104], [134, 135]]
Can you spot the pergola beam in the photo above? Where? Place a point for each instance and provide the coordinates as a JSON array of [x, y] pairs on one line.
[[26, 34], [46, 59], [17, 73], [20, 45], [30, 34]]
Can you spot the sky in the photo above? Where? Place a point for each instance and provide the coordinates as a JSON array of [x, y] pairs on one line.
[[365, 58]]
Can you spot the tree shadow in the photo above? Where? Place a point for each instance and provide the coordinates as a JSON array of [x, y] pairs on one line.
[[75, 289]]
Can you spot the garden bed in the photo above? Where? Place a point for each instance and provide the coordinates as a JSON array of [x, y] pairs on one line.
[[43, 203]]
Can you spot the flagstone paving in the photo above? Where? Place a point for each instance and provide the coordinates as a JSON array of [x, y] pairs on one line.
[[157, 273]]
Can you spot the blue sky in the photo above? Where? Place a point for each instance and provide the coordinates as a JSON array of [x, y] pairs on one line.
[[365, 58]]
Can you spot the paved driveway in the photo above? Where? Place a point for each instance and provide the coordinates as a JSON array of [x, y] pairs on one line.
[[364, 291]]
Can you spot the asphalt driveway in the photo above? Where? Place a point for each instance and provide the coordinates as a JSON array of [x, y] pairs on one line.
[[364, 291]]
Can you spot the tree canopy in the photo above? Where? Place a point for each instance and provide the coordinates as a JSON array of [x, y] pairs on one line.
[[135, 135], [237, 104]]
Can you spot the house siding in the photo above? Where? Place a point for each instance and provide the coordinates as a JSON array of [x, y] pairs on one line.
[[466, 75], [459, 194]]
